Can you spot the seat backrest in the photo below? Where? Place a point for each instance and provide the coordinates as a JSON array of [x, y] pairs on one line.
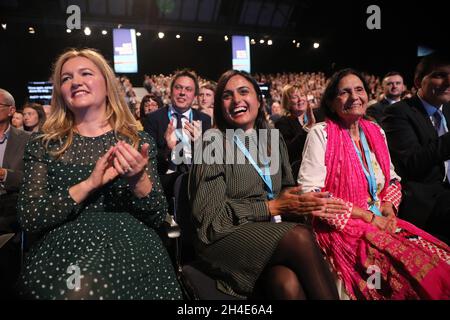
[[183, 216]]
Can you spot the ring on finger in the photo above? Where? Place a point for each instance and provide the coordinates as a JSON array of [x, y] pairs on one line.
[[126, 170]]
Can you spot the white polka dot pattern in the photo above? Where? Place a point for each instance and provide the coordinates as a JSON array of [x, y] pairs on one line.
[[109, 237]]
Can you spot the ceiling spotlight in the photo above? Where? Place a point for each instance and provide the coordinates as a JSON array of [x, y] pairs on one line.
[[161, 35], [178, 36], [252, 41], [68, 30], [119, 26], [293, 41], [261, 41], [226, 38], [31, 30], [138, 34], [200, 39], [104, 32], [298, 45], [4, 26], [316, 45], [87, 31], [269, 42]]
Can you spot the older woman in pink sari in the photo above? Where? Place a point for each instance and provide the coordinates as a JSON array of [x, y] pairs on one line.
[[348, 157]]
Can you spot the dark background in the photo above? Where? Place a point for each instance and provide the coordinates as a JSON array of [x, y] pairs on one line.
[[339, 27]]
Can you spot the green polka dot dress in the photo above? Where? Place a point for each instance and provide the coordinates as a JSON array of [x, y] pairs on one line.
[[103, 248]]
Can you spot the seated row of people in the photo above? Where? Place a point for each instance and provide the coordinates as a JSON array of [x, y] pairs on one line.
[[92, 187]]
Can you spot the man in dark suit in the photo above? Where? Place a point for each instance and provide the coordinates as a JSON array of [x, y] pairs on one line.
[[393, 88], [12, 146], [175, 127], [419, 141]]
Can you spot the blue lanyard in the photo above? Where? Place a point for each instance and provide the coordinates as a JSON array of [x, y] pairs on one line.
[[305, 120], [265, 176], [370, 176], [179, 135]]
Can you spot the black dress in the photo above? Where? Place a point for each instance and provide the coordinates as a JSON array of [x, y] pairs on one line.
[[109, 238]]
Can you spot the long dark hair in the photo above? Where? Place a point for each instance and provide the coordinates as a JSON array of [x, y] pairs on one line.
[[40, 112], [219, 119], [331, 91]]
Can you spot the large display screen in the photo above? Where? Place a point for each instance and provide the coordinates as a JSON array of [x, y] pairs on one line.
[[125, 51], [241, 53], [40, 92]]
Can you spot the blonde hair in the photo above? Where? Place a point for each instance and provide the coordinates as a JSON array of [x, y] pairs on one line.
[[288, 91], [61, 121]]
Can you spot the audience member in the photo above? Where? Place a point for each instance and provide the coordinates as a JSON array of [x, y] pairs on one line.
[[92, 188], [393, 89], [12, 145], [417, 133], [233, 205], [348, 157], [206, 99], [295, 125], [33, 117], [17, 120], [174, 124]]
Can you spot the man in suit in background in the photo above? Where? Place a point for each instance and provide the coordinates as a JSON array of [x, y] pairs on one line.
[[12, 146], [419, 142], [174, 124], [393, 88]]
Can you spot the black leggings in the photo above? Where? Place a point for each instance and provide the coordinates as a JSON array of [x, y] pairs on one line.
[[297, 270]]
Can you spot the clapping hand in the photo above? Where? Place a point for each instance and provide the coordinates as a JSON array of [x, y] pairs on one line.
[[104, 171], [128, 161], [170, 136], [193, 130]]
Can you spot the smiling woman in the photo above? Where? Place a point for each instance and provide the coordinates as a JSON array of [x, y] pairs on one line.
[[92, 190], [241, 239], [348, 156]]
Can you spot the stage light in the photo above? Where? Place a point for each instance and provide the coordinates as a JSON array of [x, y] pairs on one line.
[[87, 31], [200, 38], [298, 45], [104, 32], [4, 25], [68, 30], [226, 38], [269, 42], [293, 41], [138, 34], [178, 36], [31, 30], [316, 45], [252, 41], [261, 41], [161, 35]]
